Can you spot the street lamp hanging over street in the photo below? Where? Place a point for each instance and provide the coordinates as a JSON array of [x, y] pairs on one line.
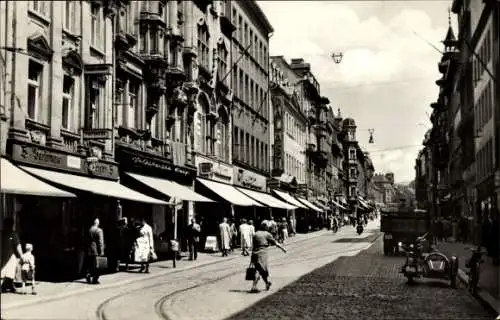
[[337, 57]]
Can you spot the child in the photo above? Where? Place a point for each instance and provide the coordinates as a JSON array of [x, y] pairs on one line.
[[28, 269]]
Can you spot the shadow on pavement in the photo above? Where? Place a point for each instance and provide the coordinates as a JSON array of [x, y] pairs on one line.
[[241, 291]]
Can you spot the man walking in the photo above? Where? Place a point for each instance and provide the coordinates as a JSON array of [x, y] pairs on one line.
[[193, 238], [245, 237], [95, 249]]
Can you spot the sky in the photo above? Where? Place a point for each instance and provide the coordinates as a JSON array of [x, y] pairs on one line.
[[386, 80]]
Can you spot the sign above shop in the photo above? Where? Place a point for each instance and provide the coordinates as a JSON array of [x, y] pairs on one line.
[[131, 159], [54, 159], [214, 169], [249, 179]]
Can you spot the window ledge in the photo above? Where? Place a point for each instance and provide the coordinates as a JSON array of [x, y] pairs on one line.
[[39, 16], [69, 134], [95, 50]]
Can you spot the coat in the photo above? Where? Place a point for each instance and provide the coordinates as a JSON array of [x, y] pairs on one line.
[[96, 241], [225, 236], [246, 235], [144, 244]]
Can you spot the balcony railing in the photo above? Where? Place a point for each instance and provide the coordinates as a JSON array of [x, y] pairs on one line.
[[70, 141]]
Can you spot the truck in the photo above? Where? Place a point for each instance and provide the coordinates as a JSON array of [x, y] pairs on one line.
[[402, 224]]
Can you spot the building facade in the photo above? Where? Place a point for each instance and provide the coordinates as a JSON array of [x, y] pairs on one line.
[[384, 183], [58, 117], [250, 111]]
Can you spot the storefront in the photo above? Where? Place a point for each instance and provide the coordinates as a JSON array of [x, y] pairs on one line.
[[486, 199], [58, 228], [159, 177]]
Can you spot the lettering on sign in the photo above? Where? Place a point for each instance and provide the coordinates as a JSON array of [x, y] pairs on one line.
[[159, 165], [31, 154], [278, 160], [103, 170]]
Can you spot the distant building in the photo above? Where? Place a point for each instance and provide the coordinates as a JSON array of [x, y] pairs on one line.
[[385, 184]]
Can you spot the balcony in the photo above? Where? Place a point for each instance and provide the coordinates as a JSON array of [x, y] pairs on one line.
[[153, 19], [124, 40]]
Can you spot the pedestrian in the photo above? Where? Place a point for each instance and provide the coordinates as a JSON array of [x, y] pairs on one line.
[[11, 253], [131, 233], [245, 235], [193, 237], [283, 230], [262, 239], [28, 269], [234, 235], [95, 249], [273, 227], [225, 237], [144, 246], [117, 244], [252, 232]]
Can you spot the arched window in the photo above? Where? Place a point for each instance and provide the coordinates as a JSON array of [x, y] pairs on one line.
[[222, 136]]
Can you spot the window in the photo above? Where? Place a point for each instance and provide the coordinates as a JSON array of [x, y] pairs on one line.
[[222, 53], [153, 41], [96, 26], [235, 81], [236, 143], [240, 29], [69, 15], [94, 106], [222, 136], [133, 104], [203, 51], [352, 154], [352, 173], [143, 38], [67, 103], [241, 147], [247, 149], [245, 90], [35, 76], [119, 100], [245, 36], [41, 7], [251, 50], [241, 88], [173, 54], [266, 158]]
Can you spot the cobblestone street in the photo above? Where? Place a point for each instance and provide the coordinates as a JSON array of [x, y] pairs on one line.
[[365, 286]]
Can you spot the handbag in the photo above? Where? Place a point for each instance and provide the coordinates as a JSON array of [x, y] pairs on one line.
[[153, 256], [250, 273], [101, 263]]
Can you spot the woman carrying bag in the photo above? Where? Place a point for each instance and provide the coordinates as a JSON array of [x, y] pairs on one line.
[[262, 239]]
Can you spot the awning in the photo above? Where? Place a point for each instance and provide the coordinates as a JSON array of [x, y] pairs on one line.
[[309, 204], [267, 199], [229, 193], [319, 204], [16, 181], [170, 188], [363, 203], [288, 198], [338, 204], [93, 185]]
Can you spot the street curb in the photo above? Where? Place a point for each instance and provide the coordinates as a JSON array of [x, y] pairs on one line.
[[129, 281], [482, 295]]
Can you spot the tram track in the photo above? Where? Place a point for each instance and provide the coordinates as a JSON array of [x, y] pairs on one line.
[[159, 306], [100, 313]]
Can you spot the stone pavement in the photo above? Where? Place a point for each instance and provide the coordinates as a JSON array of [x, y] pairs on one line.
[[48, 291], [365, 286], [489, 280]]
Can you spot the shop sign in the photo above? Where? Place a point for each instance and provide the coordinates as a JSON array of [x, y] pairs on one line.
[[279, 135], [54, 159], [249, 179], [154, 164], [213, 169]]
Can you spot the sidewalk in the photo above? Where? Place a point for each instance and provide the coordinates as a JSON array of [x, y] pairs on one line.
[[47, 291], [489, 280]]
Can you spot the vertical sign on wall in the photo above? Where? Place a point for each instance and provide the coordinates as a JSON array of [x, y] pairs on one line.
[[278, 137]]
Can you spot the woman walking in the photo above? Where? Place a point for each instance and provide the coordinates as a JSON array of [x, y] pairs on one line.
[[262, 239]]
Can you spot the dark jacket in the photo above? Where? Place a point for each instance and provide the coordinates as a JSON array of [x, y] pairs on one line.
[[96, 241]]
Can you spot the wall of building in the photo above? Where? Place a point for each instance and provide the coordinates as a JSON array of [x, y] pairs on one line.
[[250, 112]]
